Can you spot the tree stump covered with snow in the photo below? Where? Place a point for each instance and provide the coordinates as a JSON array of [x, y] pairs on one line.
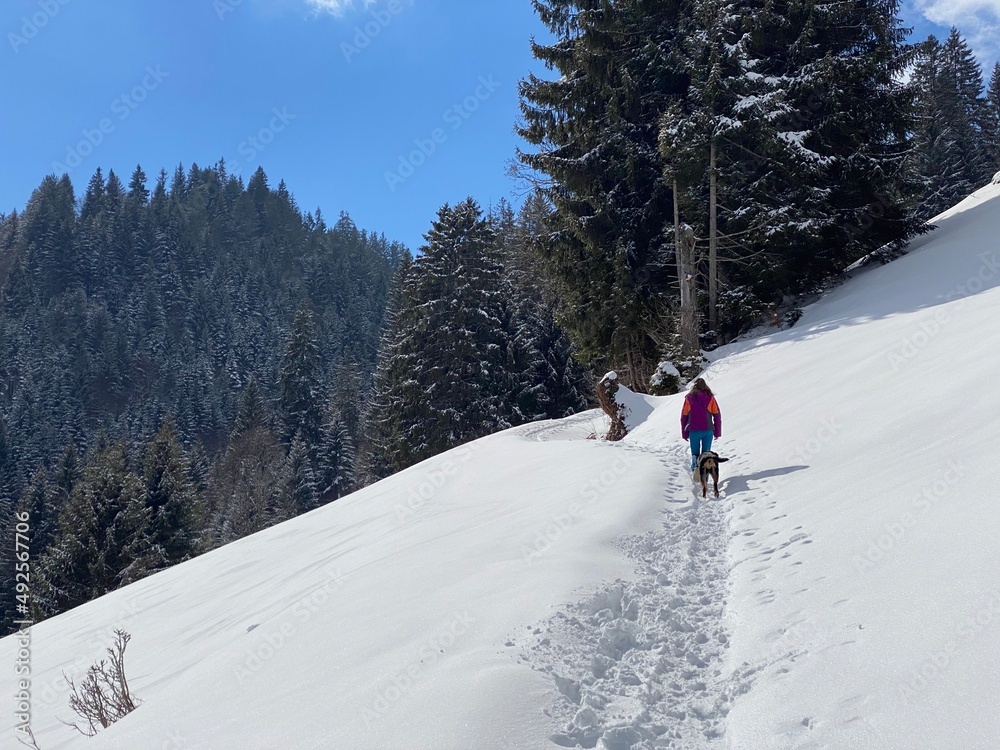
[[607, 392]]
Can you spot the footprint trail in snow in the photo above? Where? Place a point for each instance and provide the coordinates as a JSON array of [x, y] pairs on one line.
[[640, 664]]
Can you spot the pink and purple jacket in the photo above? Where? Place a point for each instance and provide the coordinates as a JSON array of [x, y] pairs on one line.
[[700, 412]]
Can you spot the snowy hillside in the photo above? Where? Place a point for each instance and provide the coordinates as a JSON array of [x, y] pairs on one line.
[[535, 589]]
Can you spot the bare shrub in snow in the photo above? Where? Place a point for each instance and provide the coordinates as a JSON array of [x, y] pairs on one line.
[[104, 696]]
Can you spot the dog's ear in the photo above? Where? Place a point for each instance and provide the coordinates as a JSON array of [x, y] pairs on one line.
[[721, 460]]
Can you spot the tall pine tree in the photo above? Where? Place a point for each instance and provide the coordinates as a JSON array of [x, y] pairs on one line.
[[174, 521], [594, 134], [443, 376], [953, 153], [299, 383]]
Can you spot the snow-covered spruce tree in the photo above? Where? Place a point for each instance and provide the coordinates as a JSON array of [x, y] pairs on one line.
[[594, 133], [249, 486], [381, 413], [336, 473], [303, 485], [102, 542], [253, 412], [993, 117], [46, 238], [827, 81], [445, 370], [299, 383], [937, 157], [338, 463], [701, 134], [347, 394], [39, 503], [971, 108], [172, 499], [548, 381], [953, 145]]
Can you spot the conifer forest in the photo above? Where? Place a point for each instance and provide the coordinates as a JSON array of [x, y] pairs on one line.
[[188, 357]]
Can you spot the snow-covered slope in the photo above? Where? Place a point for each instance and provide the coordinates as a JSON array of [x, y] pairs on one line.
[[865, 515], [535, 589]]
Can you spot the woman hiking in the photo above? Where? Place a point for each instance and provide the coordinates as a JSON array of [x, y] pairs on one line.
[[701, 419]]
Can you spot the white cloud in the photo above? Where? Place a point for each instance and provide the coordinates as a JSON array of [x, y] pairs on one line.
[[337, 7], [978, 20]]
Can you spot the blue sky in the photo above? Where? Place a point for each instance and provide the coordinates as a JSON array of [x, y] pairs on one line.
[[384, 109]]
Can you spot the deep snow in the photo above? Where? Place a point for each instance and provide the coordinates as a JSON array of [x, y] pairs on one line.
[[536, 589]]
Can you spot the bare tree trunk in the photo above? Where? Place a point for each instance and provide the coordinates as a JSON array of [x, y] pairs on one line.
[[684, 250], [713, 245], [607, 391]]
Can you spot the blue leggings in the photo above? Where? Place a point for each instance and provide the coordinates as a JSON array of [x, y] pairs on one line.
[[701, 441]]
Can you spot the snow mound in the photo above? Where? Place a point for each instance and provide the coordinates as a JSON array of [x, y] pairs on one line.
[[638, 406]]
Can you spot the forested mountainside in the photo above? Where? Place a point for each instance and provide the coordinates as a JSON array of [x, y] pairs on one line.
[[133, 309], [187, 366]]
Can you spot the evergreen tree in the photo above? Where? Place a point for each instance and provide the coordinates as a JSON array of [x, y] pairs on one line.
[[381, 413], [47, 238], [336, 459], [839, 181], [952, 153], [992, 118], [41, 501], [101, 542], [752, 120], [39, 505], [171, 498], [249, 486], [970, 109], [303, 489], [347, 395], [547, 382], [299, 383], [443, 376], [253, 411], [67, 473], [7, 468], [595, 134]]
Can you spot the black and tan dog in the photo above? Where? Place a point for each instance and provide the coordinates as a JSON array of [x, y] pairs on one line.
[[708, 466]]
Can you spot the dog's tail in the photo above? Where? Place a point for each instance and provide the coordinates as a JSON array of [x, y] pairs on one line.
[[721, 460]]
